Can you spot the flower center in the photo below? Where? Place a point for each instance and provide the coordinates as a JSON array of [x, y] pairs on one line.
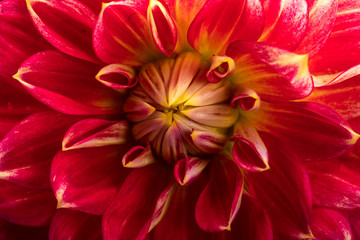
[[177, 111]]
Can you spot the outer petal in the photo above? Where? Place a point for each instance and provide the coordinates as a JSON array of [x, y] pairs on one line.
[[219, 202], [322, 15], [27, 150], [135, 209], [87, 179], [328, 224], [96, 133], [10, 231], [122, 34], [284, 191], [68, 224], [285, 22], [67, 84], [18, 40], [25, 206], [275, 74], [310, 130], [342, 50], [65, 24]]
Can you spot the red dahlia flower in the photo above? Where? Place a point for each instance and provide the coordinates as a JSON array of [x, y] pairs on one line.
[[177, 119]]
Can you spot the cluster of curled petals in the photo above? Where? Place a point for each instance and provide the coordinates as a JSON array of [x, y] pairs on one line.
[[179, 119]]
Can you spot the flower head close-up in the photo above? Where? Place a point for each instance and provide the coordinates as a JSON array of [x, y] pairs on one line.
[[179, 119]]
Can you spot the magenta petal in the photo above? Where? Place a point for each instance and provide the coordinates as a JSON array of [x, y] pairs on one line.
[[139, 204], [25, 206], [65, 24], [87, 179], [285, 22], [329, 224], [10, 231], [74, 225], [275, 74], [219, 202], [27, 150], [284, 191], [67, 84], [96, 133]]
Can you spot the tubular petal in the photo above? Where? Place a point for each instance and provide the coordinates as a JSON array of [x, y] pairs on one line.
[[65, 24], [67, 84], [247, 99], [138, 156], [284, 191], [95, 133], [87, 179], [275, 74], [26, 206], [249, 151], [285, 22], [329, 224], [68, 224], [311, 130], [139, 204], [121, 33], [162, 25], [27, 150], [219, 202], [117, 76], [188, 169], [221, 66]]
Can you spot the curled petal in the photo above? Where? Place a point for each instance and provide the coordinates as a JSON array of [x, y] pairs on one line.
[[249, 151], [68, 224], [220, 115], [328, 224], [188, 169], [138, 156], [162, 25], [67, 84], [139, 205], [27, 150], [26, 206], [117, 76], [219, 202], [208, 141], [285, 22], [311, 123], [121, 34], [137, 109], [221, 66], [275, 74], [247, 99], [95, 133], [87, 179], [65, 24]]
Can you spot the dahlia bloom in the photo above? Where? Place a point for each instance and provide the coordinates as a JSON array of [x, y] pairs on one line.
[[177, 119]]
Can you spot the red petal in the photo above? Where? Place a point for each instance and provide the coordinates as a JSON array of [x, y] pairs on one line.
[[162, 27], [10, 231], [221, 66], [96, 133], [188, 169], [19, 38], [135, 209], [117, 76], [211, 29], [27, 150], [249, 151], [285, 22], [284, 191], [65, 24], [138, 156], [274, 74], [322, 15], [25, 206], [247, 99], [341, 51], [320, 132], [87, 179], [68, 224], [219, 202], [67, 84], [122, 34], [328, 224]]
